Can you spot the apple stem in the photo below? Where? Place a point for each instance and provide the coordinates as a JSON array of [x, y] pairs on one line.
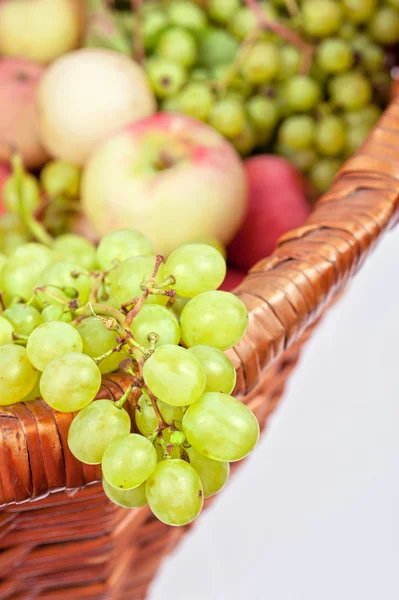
[[286, 33], [138, 44]]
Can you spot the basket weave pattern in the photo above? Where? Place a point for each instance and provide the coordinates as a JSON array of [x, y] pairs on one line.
[[73, 543]]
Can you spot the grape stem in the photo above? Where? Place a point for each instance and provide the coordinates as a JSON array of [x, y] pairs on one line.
[[139, 303], [35, 228], [119, 403], [99, 359], [161, 422], [284, 32], [18, 337], [95, 309], [138, 45], [2, 303]]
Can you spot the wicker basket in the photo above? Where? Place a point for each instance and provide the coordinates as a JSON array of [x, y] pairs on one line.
[[60, 537]]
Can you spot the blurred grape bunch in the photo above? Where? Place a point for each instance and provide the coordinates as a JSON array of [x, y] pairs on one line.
[[107, 28]]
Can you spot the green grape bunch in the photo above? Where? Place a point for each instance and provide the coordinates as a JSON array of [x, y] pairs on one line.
[[306, 79], [71, 312]]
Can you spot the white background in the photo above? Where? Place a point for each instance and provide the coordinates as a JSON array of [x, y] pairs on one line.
[[314, 513]]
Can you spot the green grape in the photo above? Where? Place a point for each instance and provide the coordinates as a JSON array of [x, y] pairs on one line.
[[24, 318], [373, 57], [359, 11], [6, 331], [360, 42], [222, 11], [368, 115], [61, 177], [196, 268], [50, 341], [384, 25], [221, 427], [146, 419], [120, 245], [187, 15], [228, 117], [321, 18], [64, 279], [178, 305], [246, 140], [3, 260], [126, 498], [219, 370], [30, 194], [323, 173], [128, 461], [53, 312], [18, 376], [347, 31], [330, 135], [199, 74], [262, 113], [153, 318], [216, 47], [217, 319], [174, 375], [76, 249], [213, 474], [70, 382], [243, 22], [211, 241], [351, 91], [34, 394], [297, 132], [334, 55], [356, 135], [11, 240], [177, 45], [174, 492], [166, 77], [196, 100], [126, 279], [290, 61], [261, 63], [94, 428], [171, 104], [302, 93], [153, 25], [21, 272], [394, 3], [97, 340]]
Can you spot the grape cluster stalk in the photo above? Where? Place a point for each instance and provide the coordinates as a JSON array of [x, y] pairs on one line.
[[71, 312], [305, 79]]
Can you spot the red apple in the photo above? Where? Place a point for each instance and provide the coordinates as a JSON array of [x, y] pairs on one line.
[[233, 279], [173, 178], [277, 203], [18, 117], [5, 173]]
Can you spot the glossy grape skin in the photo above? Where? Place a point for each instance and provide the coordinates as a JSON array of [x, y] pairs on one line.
[[297, 132], [120, 245], [70, 382], [290, 61], [24, 318], [262, 113], [34, 394], [323, 173], [146, 419], [220, 371], [153, 318], [216, 47], [228, 117], [166, 77], [334, 55], [133, 498], [174, 492], [60, 177], [55, 312], [261, 63], [6, 331], [174, 375], [97, 340], [196, 268], [77, 250], [29, 190], [62, 275], [221, 427], [94, 428], [50, 341], [196, 100], [243, 22], [178, 45], [21, 272], [384, 26], [17, 375], [330, 135], [217, 319], [222, 11], [126, 279], [128, 461], [359, 11], [186, 15], [351, 91], [321, 18], [302, 93], [213, 474]]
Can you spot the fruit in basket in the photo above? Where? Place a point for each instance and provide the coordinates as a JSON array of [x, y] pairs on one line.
[[19, 129], [40, 30], [184, 182], [277, 203], [86, 96], [118, 311]]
